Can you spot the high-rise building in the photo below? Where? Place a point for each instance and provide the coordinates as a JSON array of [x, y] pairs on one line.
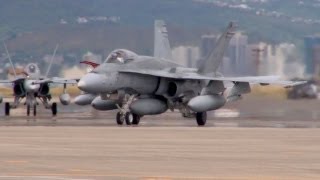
[[279, 60], [272, 59], [208, 43], [258, 58], [237, 52], [186, 55], [312, 55]]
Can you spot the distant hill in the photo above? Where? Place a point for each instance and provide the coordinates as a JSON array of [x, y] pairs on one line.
[[33, 27], [20, 16]]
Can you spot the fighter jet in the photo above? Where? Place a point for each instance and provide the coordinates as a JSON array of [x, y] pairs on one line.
[[33, 87], [140, 85]]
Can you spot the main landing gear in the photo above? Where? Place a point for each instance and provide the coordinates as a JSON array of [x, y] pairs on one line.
[[201, 118], [128, 117], [7, 109], [54, 109], [134, 119]]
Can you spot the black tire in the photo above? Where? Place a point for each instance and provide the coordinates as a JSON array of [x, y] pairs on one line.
[[201, 118], [35, 110], [28, 110], [7, 109], [129, 118], [136, 119], [119, 118], [54, 109]]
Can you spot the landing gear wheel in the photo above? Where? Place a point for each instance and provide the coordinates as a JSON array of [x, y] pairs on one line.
[[28, 110], [7, 109], [54, 109], [136, 119], [35, 110], [201, 118], [129, 118], [120, 118]]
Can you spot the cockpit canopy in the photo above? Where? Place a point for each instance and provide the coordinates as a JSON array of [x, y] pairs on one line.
[[32, 70], [120, 56]]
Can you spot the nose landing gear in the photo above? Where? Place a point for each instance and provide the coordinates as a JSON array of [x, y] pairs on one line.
[[132, 119], [128, 117], [34, 110], [124, 114], [120, 118]]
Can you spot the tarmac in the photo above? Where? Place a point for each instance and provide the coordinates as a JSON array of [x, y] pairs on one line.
[[257, 138]]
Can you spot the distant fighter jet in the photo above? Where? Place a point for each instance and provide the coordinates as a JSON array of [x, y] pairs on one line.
[[33, 86], [143, 85]]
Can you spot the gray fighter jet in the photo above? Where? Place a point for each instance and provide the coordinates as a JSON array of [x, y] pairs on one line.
[[139, 85], [32, 86]]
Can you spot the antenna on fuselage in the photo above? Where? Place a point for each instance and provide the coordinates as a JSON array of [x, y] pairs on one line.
[[8, 54], [51, 61]]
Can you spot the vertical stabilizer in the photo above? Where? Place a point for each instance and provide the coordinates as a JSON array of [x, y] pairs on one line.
[[10, 60], [212, 62], [51, 60], [162, 47]]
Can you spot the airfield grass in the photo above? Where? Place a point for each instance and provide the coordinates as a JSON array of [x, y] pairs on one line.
[[55, 91], [278, 92], [274, 91]]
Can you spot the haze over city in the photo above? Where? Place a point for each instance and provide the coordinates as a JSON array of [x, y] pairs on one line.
[[32, 33]]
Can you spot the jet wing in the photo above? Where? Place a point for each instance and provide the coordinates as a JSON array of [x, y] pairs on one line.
[[57, 81], [263, 80], [6, 81], [11, 81], [64, 81]]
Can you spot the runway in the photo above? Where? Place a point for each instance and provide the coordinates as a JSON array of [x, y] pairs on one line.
[[158, 153], [239, 142]]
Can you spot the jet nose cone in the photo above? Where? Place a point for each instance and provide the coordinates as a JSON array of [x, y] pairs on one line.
[[81, 84], [30, 86], [92, 83]]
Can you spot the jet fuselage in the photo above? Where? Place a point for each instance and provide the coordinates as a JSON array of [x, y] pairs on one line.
[[108, 78]]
